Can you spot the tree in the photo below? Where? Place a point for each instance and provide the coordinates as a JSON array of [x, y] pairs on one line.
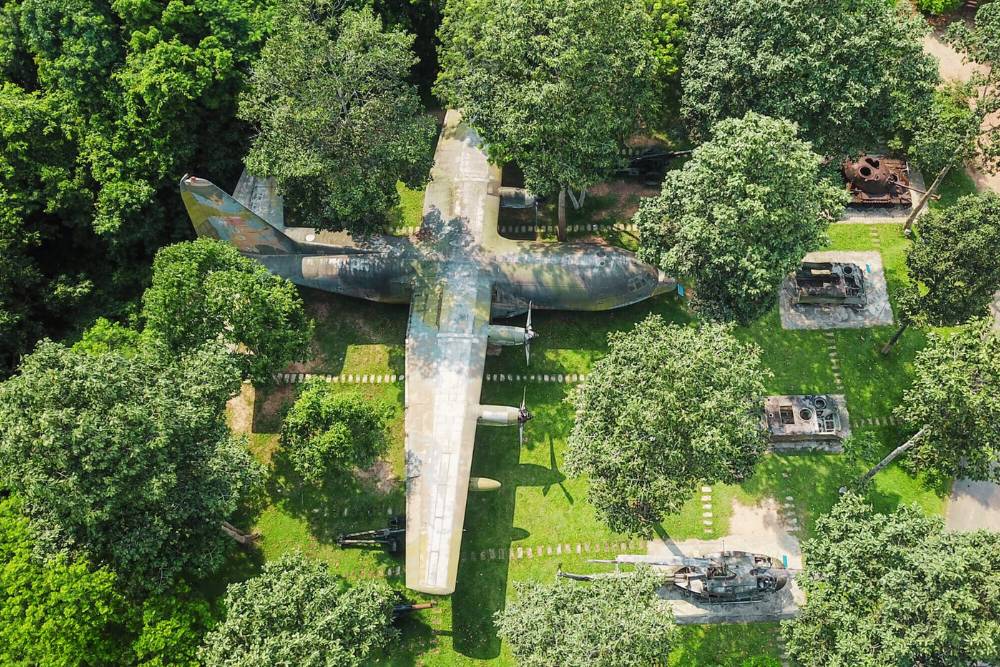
[[60, 611], [554, 86], [103, 106], [173, 626], [295, 612], [851, 73], [614, 620], [894, 589], [697, 420], [126, 458], [740, 215], [338, 122], [980, 44], [955, 403], [327, 431], [952, 265], [205, 290], [669, 19], [945, 131]]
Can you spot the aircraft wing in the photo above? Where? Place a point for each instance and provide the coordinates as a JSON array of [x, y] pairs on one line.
[[445, 355], [462, 199]]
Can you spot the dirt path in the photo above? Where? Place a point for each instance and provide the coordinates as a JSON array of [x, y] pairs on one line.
[[953, 68]]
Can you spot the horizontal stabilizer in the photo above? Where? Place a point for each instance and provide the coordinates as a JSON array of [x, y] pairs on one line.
[[217, 215]]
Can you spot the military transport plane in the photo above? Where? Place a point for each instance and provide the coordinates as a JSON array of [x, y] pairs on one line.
[[457, 272]]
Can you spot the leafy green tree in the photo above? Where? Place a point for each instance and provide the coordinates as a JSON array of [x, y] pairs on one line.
[[951, 264], [296, 612], [696, 421], [894, 589], [327, 431], [59, 611], [173, 625], [740, 215], [948, 129], [554, 86], [851, 73], [103, 106], [205, 290], [610, 621], [938, 7], [338, 122], [954, 406], [669, 20], [980, 45], [107, 336], [126, 458]]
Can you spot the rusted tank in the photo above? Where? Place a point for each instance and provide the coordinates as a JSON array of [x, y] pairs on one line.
[[875, 180]]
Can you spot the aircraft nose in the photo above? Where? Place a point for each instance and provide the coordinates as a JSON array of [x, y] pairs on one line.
[[664, 283]]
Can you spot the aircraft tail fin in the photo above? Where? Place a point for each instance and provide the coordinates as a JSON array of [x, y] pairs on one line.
[[217, 215]]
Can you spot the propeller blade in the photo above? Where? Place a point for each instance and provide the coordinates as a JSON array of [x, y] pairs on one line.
[[520, 434], [529, 333], [524, 396]]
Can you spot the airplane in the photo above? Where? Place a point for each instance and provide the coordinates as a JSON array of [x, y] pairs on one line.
[[457, 273]]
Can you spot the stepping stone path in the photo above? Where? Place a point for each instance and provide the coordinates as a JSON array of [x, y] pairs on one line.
[[831, 346], [551, 378], [532, 229], [707, 517]]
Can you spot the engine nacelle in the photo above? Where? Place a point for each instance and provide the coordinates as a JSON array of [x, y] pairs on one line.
[[517, 198], [483, 484], [499, 415], [507, 336]]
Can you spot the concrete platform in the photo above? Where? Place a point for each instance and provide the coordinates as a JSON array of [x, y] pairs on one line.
[[877, 311]]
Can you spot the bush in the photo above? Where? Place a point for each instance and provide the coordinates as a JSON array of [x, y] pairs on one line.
[[938, 7], [327, 431]]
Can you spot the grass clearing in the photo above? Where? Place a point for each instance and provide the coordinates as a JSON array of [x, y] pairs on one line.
[[538, 505]]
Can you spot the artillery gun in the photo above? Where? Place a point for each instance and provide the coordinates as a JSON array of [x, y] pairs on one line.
[[405, 608], [391, 539]]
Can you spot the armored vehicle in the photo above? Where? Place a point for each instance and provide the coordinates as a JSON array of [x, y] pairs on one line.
[[721, 577], [829, 283], [877, 181], [730, 576]]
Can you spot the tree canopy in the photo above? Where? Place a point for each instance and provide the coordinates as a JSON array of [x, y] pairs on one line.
[[205, 290], [126, 458], [740, 215], [953, 260], [980, 44], [329, 432], [555, 86], [894, 589], [295, 612], [610, 621], [338, 121], [955, 397], [56, 611], [103, 106], [851, 73], [696, 420]]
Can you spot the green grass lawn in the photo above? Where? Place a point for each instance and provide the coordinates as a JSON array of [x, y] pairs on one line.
[[538, 506]]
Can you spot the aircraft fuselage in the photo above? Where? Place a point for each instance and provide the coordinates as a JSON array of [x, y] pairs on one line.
[[564, 276]]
